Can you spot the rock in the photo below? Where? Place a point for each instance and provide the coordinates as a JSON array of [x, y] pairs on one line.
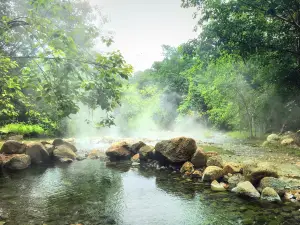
[[18, 162], [273, 137], [197, 174], [232, 168], [16, 137], [95, 154], [37, 153], [176, 150], [119, 151], [216, 186], [13, 147], [49, 148], [212, 173], [234, 180], [146, 152], [215, 161], [270, 195], [254, 172], [80, 158], [187, 167], [246, 189], [135, 148], [199, 158], [288, 141], [278, 185], [135, 158], [63, 153], [58, 142]]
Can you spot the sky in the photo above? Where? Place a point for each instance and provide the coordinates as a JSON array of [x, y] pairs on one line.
[[141, 27]]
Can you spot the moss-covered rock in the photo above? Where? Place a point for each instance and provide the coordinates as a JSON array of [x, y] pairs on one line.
[[13, 147], [212, 173], [246, 189], [215, 161], [232, 168], [63, 153], [254, 172], [234, 180], [119, 151], [187, 167], [278, 185], [18, 162], [270, 194], [146, 152], [135, 148]]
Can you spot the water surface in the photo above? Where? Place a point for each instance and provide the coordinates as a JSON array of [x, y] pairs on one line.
[[91, 193]]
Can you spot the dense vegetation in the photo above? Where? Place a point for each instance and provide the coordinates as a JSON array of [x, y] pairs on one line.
[[48, 65], [241, 73]]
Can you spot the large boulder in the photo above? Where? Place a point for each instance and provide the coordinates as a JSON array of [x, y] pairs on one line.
[[58, 141], [270, 195], [176, 150], [119, 151], [278, 185], [146, 152], [135, 148], [246, 189], [18, 162], [64, 153], [254, 172], [49, 148], [199, 158], [187, 167], [13, 147], [215, 161], [212, 173], [37, 153]]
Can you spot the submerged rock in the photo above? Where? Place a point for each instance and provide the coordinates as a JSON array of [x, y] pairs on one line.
[[119, 151], [187, 167], [37, 153], [246, 189], [216, 186], [63, 153], [254, 172], [212, 173], [176, 150], [199, 158], [278, 185], [270, 195], [146, 152], [13, 147], [215, 161], [18, 162]]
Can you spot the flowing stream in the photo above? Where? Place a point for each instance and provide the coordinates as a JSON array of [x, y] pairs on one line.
[[89, 192]]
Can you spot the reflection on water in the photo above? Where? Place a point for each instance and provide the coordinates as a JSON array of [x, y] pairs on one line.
[[89, 192]]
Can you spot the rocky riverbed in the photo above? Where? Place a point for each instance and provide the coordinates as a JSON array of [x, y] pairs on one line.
[[252, 172]]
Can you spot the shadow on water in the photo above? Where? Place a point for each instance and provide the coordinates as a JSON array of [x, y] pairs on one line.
[[91, 192]]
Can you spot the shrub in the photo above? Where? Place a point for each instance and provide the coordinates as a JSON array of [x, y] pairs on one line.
[[21, 128]]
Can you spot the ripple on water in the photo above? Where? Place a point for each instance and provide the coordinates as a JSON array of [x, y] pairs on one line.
[[88, 192]]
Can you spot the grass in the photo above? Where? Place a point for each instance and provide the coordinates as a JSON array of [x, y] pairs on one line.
[[277, 147], [238, 134], [212, 148], [21, 128]]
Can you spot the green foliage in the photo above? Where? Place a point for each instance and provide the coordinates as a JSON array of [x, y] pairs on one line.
[[48, 65], [21, 128]]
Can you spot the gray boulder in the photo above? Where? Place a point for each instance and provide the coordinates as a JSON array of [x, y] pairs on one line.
[[37, 153], [13, 147]]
